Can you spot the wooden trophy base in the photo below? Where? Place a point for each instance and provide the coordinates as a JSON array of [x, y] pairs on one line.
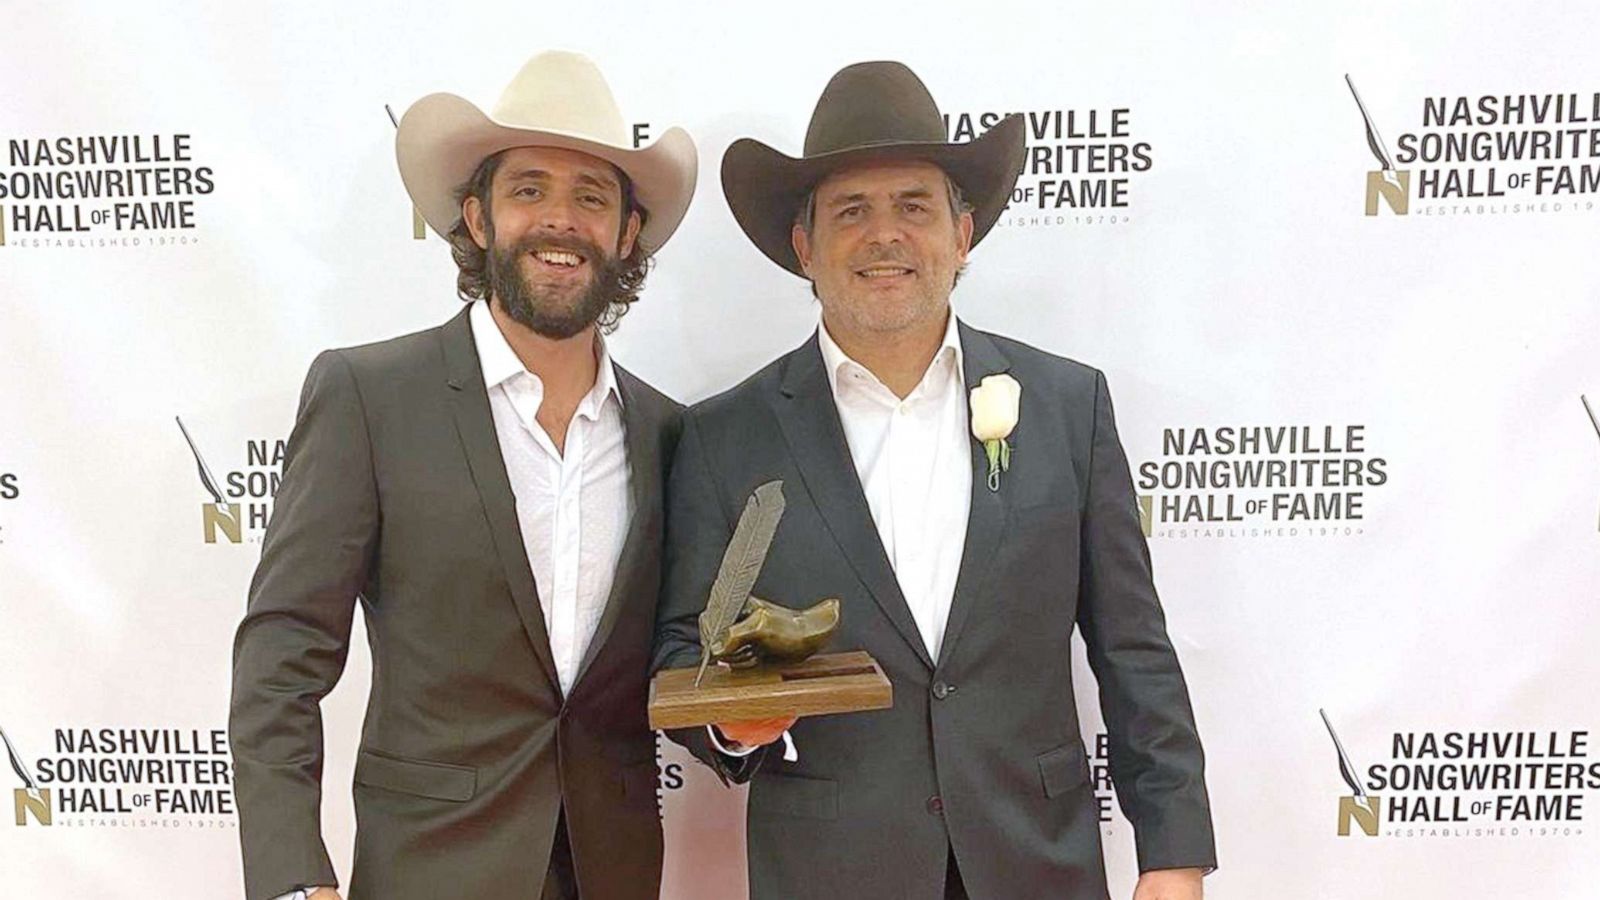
[[830, 683]]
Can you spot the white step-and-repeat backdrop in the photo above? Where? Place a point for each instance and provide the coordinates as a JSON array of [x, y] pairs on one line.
[[1348, 339]]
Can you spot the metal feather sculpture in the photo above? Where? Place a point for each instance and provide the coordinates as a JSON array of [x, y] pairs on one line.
[[741, 563]]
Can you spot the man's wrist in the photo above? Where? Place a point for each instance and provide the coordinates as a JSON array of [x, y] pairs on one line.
[[728, 746]]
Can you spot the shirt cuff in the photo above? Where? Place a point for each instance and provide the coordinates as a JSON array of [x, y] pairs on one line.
[[790, 753], [724, 749]]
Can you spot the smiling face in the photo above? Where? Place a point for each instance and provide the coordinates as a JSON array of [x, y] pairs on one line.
[[556, 228], [884, 247]]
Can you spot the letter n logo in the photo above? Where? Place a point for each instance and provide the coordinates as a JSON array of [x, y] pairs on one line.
[[1394, 186], [29, 805], [1367, 812], [224, 519]]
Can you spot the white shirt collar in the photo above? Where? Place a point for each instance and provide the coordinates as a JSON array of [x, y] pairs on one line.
[[500, 363], [835, 360]]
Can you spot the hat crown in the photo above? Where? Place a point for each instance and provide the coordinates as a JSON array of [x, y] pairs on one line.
[[873, 103], [563, 92]]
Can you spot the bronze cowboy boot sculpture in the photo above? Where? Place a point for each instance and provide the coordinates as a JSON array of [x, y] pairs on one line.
[[767, 633], [764, 653]]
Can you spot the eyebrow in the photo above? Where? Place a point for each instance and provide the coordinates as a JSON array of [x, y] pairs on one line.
[[600, 181], [913, 193]]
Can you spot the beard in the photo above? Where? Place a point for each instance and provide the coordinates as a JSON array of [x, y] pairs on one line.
[[554, 312]]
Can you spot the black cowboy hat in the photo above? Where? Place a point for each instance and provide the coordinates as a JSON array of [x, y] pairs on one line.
[[870, 110]]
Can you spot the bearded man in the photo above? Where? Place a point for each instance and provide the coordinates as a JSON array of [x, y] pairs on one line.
[[490, 491]]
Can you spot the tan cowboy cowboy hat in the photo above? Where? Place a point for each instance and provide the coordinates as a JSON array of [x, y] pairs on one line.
[[559, 99], [871, 110]]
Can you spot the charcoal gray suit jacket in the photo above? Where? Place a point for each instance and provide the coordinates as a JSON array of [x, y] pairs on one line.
[[394, 493], [981, 754]]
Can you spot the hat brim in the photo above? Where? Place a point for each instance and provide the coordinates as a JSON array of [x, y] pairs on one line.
[[442, 138], [765, 188]]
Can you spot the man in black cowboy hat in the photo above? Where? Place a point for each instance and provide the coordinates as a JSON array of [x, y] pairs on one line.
[[961, 568]]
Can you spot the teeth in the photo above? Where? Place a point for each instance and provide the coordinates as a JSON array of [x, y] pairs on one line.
[[884, 272], [558, 257]]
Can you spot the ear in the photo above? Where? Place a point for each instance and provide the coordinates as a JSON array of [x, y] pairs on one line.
[[802, 247], [630, 233], [472, 214], [963, 237]]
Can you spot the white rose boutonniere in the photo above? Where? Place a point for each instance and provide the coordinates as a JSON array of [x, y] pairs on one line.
[[995, 405]]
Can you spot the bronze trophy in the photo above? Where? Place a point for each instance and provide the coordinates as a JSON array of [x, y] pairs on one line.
[[757, 658]]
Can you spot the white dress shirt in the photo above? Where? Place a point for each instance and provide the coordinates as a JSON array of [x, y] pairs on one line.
[[915, 466], [573, 508], [914, 459]]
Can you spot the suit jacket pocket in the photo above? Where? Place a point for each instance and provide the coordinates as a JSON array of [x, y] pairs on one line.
[[794, 795], [440, 781], [1063, 769]]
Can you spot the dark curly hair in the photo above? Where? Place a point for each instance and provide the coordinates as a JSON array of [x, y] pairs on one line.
[[472, 281]]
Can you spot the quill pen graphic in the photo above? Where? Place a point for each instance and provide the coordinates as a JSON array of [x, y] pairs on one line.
[[18, 767], [741, 563], [205, 471], [1374, 140], [1593, 419], [1345, 768], [419, 226]]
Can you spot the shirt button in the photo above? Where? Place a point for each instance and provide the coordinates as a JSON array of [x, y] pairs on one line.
[[936, 805], [942, 690]]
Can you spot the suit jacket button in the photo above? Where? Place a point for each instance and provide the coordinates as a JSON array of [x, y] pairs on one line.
[[936, 805], [942, 690]]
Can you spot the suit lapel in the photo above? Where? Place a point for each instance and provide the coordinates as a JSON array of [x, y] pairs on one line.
[[986, 521], [810, 423], [642, 441], [469, 401]]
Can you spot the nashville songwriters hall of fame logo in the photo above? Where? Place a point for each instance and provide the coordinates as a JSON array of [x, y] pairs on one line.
[[1471, 784], [219, 516], [135, 777], [102, 190], [240, 504], [1489, 154], [1366, 812], [1277, 480], [1081, 167], [30, 800], [1388, 182]]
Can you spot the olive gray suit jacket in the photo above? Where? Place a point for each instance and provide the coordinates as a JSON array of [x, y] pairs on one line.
[[981, 753], [394, 492]]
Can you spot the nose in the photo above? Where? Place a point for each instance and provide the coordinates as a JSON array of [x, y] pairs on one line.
[[555, 214], [884, 227]]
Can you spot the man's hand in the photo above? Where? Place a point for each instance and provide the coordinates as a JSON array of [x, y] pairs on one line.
[[323, 893], [756, 732], [1170, 884]]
